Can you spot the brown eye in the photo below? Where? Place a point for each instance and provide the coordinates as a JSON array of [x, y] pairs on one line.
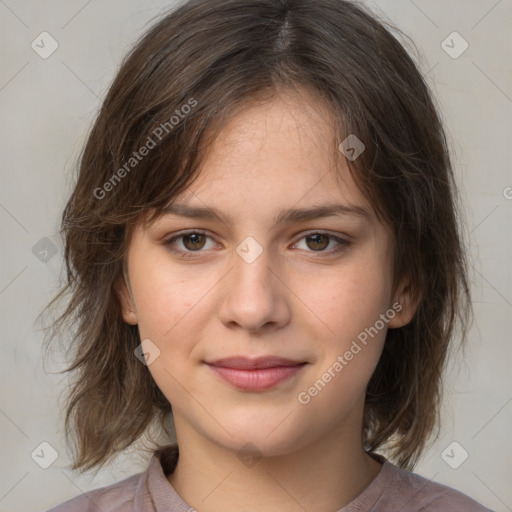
[[194, 241], [319, 242], [324, 244], [187, 243]]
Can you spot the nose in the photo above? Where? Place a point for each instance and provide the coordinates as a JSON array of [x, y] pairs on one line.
[[254, 296]]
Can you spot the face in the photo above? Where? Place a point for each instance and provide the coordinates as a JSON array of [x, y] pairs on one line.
[[263, 279]]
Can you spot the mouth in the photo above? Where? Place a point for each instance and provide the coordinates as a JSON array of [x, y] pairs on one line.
[[256, 374]]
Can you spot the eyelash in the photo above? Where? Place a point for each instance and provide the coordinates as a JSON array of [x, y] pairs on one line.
[[187, 254]]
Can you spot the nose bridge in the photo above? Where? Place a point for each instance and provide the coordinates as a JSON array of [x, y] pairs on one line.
[[253, 296], [251, 273]]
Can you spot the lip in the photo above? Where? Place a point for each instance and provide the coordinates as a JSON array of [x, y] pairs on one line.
[[255, 374]]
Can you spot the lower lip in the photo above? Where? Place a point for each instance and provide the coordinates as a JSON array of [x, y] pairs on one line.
[[256, 380]]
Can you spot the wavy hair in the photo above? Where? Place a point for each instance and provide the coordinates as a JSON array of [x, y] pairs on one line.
[[213, 56]]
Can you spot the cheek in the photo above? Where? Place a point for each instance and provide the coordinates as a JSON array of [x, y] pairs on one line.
[[349, 302], [171, 306], [174, 304], [167, 296], [350, 352], [350, 299]]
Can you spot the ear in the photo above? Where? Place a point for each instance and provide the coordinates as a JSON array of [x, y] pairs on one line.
[[124, 294], [405, 305]]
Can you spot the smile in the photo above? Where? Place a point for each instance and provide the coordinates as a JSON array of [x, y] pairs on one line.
[[255, 375]]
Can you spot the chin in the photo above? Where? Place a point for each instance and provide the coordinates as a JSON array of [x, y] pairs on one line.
[[261, 440]]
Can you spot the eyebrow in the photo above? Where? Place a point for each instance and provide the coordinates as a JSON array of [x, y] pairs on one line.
[[288, 215]]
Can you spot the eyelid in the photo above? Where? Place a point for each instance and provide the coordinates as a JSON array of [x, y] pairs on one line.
[[340, 236]]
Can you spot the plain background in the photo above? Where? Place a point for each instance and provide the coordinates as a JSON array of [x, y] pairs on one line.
[[47, 107]]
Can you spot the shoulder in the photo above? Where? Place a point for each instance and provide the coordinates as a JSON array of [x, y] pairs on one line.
[[416, 493], [118, 497], [145, 491]]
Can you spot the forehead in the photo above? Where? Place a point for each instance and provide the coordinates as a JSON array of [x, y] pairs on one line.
[[277, 150]]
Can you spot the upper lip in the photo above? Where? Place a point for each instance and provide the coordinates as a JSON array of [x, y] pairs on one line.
[[246, 363]]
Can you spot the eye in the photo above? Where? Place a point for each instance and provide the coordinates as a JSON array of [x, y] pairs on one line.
[[187, 243], [193, 241], [319, 241]]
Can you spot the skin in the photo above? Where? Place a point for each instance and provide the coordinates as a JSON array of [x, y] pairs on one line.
[[295, 300]]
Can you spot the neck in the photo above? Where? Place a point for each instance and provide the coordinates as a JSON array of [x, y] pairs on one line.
[[324, 475]]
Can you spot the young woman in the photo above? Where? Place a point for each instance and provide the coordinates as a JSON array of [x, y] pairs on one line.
[[263, 251]]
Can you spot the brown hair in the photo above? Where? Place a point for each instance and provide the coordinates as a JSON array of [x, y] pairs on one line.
[[214, 56]]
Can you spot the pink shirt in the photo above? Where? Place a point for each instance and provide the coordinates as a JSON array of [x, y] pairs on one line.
[[392, 490]]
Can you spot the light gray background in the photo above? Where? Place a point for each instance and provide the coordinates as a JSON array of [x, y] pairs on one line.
[[47, 107]]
